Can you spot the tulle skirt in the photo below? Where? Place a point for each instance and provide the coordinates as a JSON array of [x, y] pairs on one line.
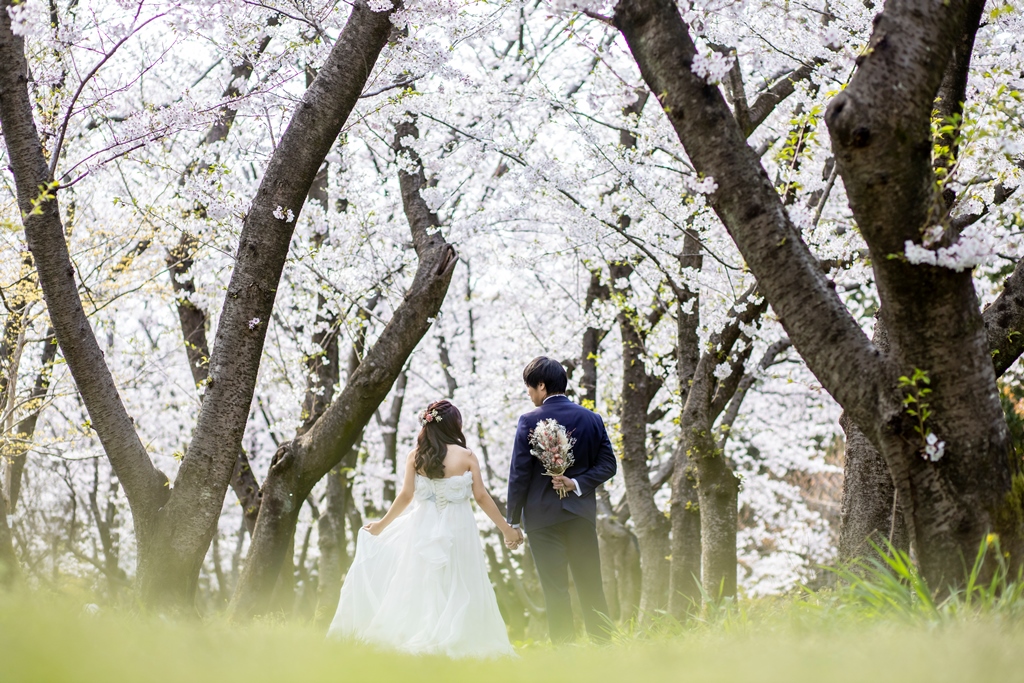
[[422, 587]]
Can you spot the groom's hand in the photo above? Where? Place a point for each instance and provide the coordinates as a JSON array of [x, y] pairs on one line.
[[563, 483]]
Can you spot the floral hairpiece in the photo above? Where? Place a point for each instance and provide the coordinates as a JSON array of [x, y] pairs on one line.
[[429, 416]]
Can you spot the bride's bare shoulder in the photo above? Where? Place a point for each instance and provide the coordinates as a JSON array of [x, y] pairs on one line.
[[459, 456]]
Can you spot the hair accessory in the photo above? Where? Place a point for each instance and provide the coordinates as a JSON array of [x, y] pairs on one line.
[[429, 416]]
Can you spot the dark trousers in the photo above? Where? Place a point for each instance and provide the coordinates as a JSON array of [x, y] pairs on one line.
[[557, 548]]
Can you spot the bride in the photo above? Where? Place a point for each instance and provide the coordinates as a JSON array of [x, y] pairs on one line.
[[419, 582]]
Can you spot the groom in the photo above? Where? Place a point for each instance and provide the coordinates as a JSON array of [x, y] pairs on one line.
[[562, 531]]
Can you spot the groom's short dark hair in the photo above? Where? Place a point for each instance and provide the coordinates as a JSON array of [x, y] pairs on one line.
[[543, 370]]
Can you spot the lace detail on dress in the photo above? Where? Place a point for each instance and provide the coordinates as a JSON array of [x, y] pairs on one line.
[[444, 491]]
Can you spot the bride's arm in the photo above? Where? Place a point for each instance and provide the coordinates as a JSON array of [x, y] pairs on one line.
[[402, 500], [487, 504]]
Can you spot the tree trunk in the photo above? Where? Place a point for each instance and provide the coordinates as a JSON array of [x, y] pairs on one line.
[[684, 582], [881, 136], [333, 545], [870, 512], [298, 465], [44, 233], [718, 492], [10, 571], [174, 530], [652, 527], [883, 150], [389, 436], [685, 571]]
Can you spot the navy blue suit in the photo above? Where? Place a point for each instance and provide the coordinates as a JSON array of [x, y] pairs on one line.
[[562, 531]]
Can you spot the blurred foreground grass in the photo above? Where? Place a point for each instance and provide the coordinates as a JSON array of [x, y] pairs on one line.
[[784, 639]]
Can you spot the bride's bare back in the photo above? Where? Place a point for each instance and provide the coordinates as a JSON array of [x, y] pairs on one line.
[[457, 461]]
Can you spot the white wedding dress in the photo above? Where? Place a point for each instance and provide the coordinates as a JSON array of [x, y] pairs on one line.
[[421, 586]]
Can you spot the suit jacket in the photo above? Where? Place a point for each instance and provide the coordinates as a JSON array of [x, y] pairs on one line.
[[532, 501]]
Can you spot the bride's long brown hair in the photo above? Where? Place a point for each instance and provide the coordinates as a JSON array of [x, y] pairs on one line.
[[434, 437]]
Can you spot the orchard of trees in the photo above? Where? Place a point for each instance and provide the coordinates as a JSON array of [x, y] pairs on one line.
[[775, 244]]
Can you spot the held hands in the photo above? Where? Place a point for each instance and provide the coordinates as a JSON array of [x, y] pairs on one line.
[[374, 528], [513, 537], [563, 483]]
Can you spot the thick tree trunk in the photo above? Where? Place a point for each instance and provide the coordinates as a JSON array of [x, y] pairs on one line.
[[880, 128], [169, 565], [174, 529], [869, 494], [870, 512], [881, 134], [718, 492], [44, 232], [298, 465]]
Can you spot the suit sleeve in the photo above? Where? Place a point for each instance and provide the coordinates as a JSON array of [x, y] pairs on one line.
[[519, 473], [604, 466]]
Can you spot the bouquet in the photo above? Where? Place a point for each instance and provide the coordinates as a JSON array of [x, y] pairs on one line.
[[552, 445]]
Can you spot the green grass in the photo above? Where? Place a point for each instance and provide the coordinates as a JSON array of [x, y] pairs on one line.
[[819, 639], [884, 624]]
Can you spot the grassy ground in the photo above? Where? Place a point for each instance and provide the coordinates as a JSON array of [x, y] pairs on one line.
[[781, 640]]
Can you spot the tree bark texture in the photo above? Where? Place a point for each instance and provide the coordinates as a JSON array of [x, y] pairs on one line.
[[880, 128], [300, 464], [717, 484], [144, 486], [651, 524], [333, 545], [870, 511], [190, 517], [869, 494], [881, 133], [685, 567], [687, 549], [174, 530]]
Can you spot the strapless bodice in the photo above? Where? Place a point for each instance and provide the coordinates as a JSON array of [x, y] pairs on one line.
[[444, 491]]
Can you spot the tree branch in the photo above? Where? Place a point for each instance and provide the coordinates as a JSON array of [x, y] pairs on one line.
[[766, 102], [1004, 322], [830, 340], [144, 485]]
